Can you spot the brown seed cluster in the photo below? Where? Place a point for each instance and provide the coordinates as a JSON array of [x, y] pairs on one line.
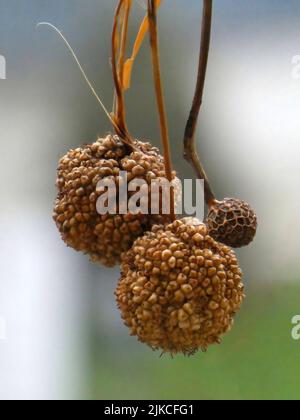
[[179, 289], [103, 237], [232, 222]]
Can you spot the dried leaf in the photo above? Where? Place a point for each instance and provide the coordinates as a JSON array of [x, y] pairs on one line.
[[136, 48]]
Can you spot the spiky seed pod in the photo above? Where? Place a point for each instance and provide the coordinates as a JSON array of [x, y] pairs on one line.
[[179, 288], [232, 222], [103, 237]]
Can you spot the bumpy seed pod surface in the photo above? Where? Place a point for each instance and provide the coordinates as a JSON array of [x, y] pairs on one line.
[[232, 222], [179, 289], [103, 237]]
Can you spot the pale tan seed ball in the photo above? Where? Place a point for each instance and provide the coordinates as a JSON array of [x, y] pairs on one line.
[[179, 289], [103, 237], [232, 222]]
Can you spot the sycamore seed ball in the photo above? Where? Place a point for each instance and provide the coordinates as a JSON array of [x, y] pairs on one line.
[[179, 289], [103, 237], [232, 222]]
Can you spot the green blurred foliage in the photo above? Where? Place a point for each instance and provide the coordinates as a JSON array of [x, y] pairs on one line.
[[258, 360]]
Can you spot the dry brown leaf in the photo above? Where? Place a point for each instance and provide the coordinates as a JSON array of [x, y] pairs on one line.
[[136, 48]]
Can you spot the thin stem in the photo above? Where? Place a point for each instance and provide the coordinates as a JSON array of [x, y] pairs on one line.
[[122, 52], [91, 87], [190, 149], [120, 117], [152, 16]]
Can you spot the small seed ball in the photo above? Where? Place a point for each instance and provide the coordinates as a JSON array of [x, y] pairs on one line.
[[232, 222], [103, 237], [179, 289]]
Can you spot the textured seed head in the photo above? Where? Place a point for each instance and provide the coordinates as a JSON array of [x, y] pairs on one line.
[[186, 307], [232, 222], [103, 237]]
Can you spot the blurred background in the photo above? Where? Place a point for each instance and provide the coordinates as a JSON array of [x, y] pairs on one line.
[[64, 338]]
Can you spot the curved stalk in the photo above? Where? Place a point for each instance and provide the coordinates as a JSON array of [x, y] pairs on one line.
[[152, 16], [190, 148], [120, 118]]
